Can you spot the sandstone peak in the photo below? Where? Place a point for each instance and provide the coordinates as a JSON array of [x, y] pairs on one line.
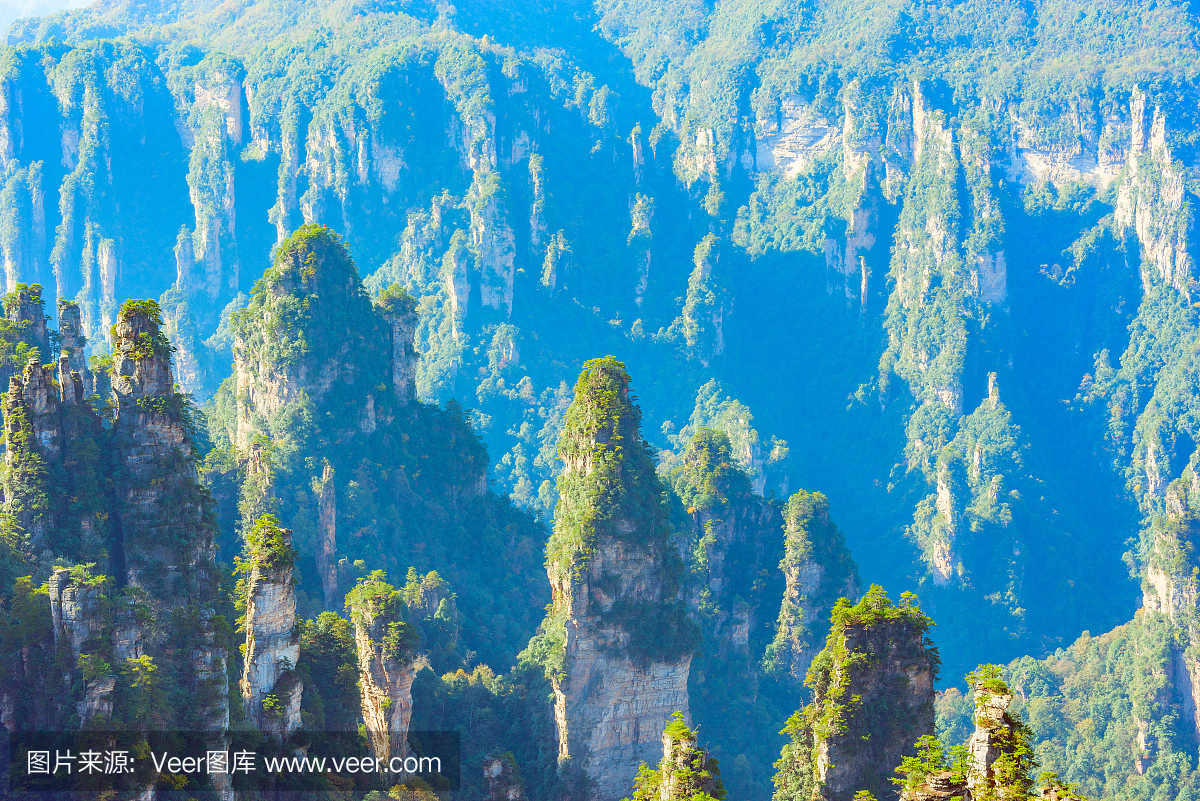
[[622, 640], [872, 691], [141, 353]]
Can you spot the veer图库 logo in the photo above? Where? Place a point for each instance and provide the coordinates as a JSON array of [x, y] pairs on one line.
[[41, 763]]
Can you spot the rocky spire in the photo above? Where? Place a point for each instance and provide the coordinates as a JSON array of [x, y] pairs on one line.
[[385, 643], [166, 520], [271, 688], [400, 309], [503, 779], [307, 328], [686, 772], [817, 570], [327, 536], [42, 396], [72, 339], [623, 639], [686, 769], [141, 355], [24, 307], [33, 443], [872, 691], [995, 763]]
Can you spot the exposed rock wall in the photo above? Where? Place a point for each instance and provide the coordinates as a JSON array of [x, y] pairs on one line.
[[817, 570], [900, 673], [271, 690], [401, 312], [872, 698], [327, 537], [74, 610], [24, 306], [627, 641], [159, 491], [384, 642], [165, 524], [33, 446], [1175, 594], [73, 340], [1151, 202], [79, 620]]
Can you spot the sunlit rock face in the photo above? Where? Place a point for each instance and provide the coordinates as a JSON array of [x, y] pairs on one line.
[[627, 641]]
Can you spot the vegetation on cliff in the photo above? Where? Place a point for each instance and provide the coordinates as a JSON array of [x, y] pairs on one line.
[[409, 479], [524, 188], [685, 773], [872, 696], [853, 219], [608, 487], [609, 493], [812, 543]]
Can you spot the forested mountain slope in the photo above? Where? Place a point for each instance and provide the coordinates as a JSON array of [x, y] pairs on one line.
[[935, 261]]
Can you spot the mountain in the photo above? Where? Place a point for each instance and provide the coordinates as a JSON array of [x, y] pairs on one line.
[[932, 265]]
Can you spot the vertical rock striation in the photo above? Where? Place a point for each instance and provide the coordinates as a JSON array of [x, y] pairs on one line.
[[33, 444], [271, 689], [166, 520], [72, 339], [740, 567], [872, 691], [623, 641], [817, 571], [385, 643], [77, 611], [164, 525], [1171, 590], [327, 536], [400, 310]]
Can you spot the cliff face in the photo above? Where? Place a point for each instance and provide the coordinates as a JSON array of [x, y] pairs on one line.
[[626, 640], [122, 506], [872, 691], [400, 310], [56, 458], [33, 440], [165, 525], [327, 534], [79, 618], [995, 762], [742, 561], [166, 521], [1171, 594], [734, 539], [320, 427], [331, 336], [497, 164], [385, 643], [817, 570], [271, 690]]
